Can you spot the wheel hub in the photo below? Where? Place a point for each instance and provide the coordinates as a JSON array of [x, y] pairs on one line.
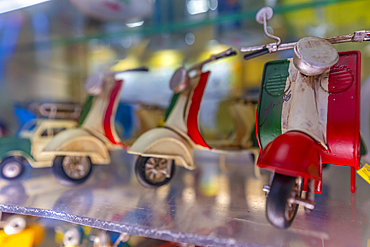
[[76, 167], [12, 169], [290, 207], [156, 169]]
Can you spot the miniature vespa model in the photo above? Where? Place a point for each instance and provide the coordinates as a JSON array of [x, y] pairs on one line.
[[76, 150], [160, 149], [308, 115]]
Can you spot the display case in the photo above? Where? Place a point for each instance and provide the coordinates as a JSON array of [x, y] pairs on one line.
[[214, 196]]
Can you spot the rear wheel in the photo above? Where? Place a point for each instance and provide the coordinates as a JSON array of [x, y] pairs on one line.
[[279, 211], [152, 172], [72, 170], [12, 167]]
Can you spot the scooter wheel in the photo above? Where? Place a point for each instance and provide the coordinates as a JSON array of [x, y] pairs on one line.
[[151, 171], [279, 212], [72, 170]]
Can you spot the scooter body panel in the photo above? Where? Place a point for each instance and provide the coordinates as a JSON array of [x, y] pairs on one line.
[[164, 143], [100, 118], [272, 95], [343, 120], [192, 115], [78, 142], [293, 154], [342, 124]]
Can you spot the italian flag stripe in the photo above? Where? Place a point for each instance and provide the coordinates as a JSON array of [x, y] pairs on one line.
[[341, 130]]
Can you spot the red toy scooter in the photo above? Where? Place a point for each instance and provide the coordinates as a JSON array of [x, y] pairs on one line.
[[308, 115]]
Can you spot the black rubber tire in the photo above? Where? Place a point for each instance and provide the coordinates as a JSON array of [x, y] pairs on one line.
[[146, 182], [19, 160], [277, 201], [62, 176]]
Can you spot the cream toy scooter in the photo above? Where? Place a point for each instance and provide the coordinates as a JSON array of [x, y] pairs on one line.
[[75, 151], [160, 149]]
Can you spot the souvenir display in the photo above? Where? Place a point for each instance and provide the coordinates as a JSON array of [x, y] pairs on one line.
[[229, 140], [75, 151]]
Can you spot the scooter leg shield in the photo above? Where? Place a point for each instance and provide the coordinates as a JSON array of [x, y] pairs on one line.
[[293, 154]]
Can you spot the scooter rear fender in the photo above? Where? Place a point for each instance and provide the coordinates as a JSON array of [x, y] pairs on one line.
[[164, 143], [293, 154]]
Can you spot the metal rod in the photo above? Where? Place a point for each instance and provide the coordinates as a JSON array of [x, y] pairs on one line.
[[267, 33], [228, 52], [303, 202], [358, 36]]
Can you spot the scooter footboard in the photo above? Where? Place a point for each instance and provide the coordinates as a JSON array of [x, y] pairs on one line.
[[293, 154]]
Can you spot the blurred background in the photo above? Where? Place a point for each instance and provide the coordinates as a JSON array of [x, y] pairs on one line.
[[48, 47]]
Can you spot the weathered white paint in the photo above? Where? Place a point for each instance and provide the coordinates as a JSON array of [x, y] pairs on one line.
[[307, 109]]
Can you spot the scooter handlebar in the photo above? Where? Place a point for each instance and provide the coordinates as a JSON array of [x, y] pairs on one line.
[[140, 69], [256, 53], [357, 36], [229, 52]]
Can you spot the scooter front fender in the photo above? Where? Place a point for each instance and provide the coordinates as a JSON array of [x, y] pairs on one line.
[[293, 154], [164, 143]]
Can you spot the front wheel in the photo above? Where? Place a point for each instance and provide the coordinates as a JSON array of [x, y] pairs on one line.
[[12, 167], [279, 211], [72, 170], [152, 172]]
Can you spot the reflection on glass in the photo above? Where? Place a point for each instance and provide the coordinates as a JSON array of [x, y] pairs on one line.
[[162, 192], [135, 24], [188, 194], [9, 5], [254, 195], [189, 38], [223, 196], [197, 6]]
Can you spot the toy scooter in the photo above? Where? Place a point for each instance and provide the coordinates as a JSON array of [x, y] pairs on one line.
[[160, 149], [74, 151], [308, 115]]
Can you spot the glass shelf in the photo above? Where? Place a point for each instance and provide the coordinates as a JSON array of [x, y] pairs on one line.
[[185, 25], [215, 205]]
